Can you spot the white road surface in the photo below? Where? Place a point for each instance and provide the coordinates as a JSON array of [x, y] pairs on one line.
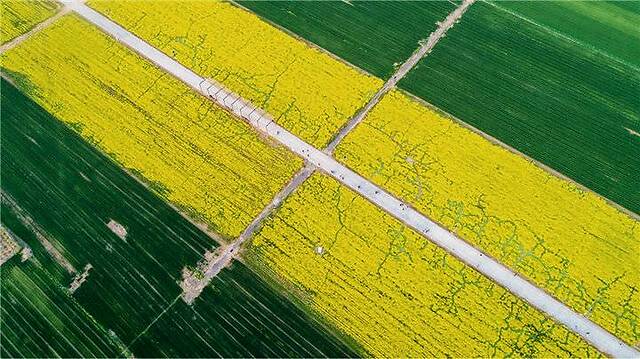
[[593, 333]]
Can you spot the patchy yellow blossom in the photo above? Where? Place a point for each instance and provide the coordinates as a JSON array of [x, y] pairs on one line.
[[190, 151], [566, 240], [390, 288], [307, 91]]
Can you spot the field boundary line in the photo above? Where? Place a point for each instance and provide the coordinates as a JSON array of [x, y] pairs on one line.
[[262, 122], [61, 11], [465, 124], [422, 51], [302, 39], [517, 152]]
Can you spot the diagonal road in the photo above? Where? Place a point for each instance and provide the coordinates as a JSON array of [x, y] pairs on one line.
[[262, 122]]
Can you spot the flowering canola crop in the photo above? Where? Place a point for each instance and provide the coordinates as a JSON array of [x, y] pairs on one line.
[[568, 241], [20, 16], [190, 151], [391, 289], [307, 91]]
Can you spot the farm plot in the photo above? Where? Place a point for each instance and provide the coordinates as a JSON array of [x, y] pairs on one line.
[[72, 193], [40, 319], [610, 27], [373, 35], [251, 320], [565, 240], [19, 16], [391, 289], [188, 150], [307, 91], [568, 105]]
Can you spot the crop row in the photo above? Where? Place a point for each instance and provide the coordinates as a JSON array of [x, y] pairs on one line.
[[306, 91], [184, 147], [568, 241], [20, 16], [129, 302], [373, 35], [570, 105], [390, 288]]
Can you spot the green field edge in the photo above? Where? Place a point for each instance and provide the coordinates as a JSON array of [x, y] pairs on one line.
[[537, 163], [277, 289], [299, 300], [487, 136]]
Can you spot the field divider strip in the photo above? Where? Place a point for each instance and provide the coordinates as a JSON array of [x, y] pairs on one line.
[[192, 285], [39, 27], [262, 122], [421, 52]]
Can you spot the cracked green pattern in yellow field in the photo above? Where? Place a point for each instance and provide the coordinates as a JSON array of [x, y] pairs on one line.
[[306, 91], [390, 288], [566, 240], [192, 153]]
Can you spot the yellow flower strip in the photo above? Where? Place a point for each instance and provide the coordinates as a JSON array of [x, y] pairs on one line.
[[391, 289], [19, 16], [307, 91], [191, 152], [565, 240]]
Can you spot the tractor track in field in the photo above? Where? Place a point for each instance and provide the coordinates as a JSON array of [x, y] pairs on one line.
[[262, 122]]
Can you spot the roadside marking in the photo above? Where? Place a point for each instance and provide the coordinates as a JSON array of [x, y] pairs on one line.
[[424, 49], [590, 331]]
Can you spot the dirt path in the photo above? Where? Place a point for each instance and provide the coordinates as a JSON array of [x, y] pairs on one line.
[[194, 282], [401, 72], [262, 122], [18, 40]]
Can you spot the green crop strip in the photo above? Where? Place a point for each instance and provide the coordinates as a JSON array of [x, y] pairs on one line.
[[564, 104], [72, 192], [373, 35]]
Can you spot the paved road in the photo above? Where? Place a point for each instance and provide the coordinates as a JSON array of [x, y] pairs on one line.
[[593, 333]]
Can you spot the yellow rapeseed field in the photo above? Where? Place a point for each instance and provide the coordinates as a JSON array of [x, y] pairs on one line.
[[20, 16], [307, 91], [566, 240], [391, 289], [190, 151]]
